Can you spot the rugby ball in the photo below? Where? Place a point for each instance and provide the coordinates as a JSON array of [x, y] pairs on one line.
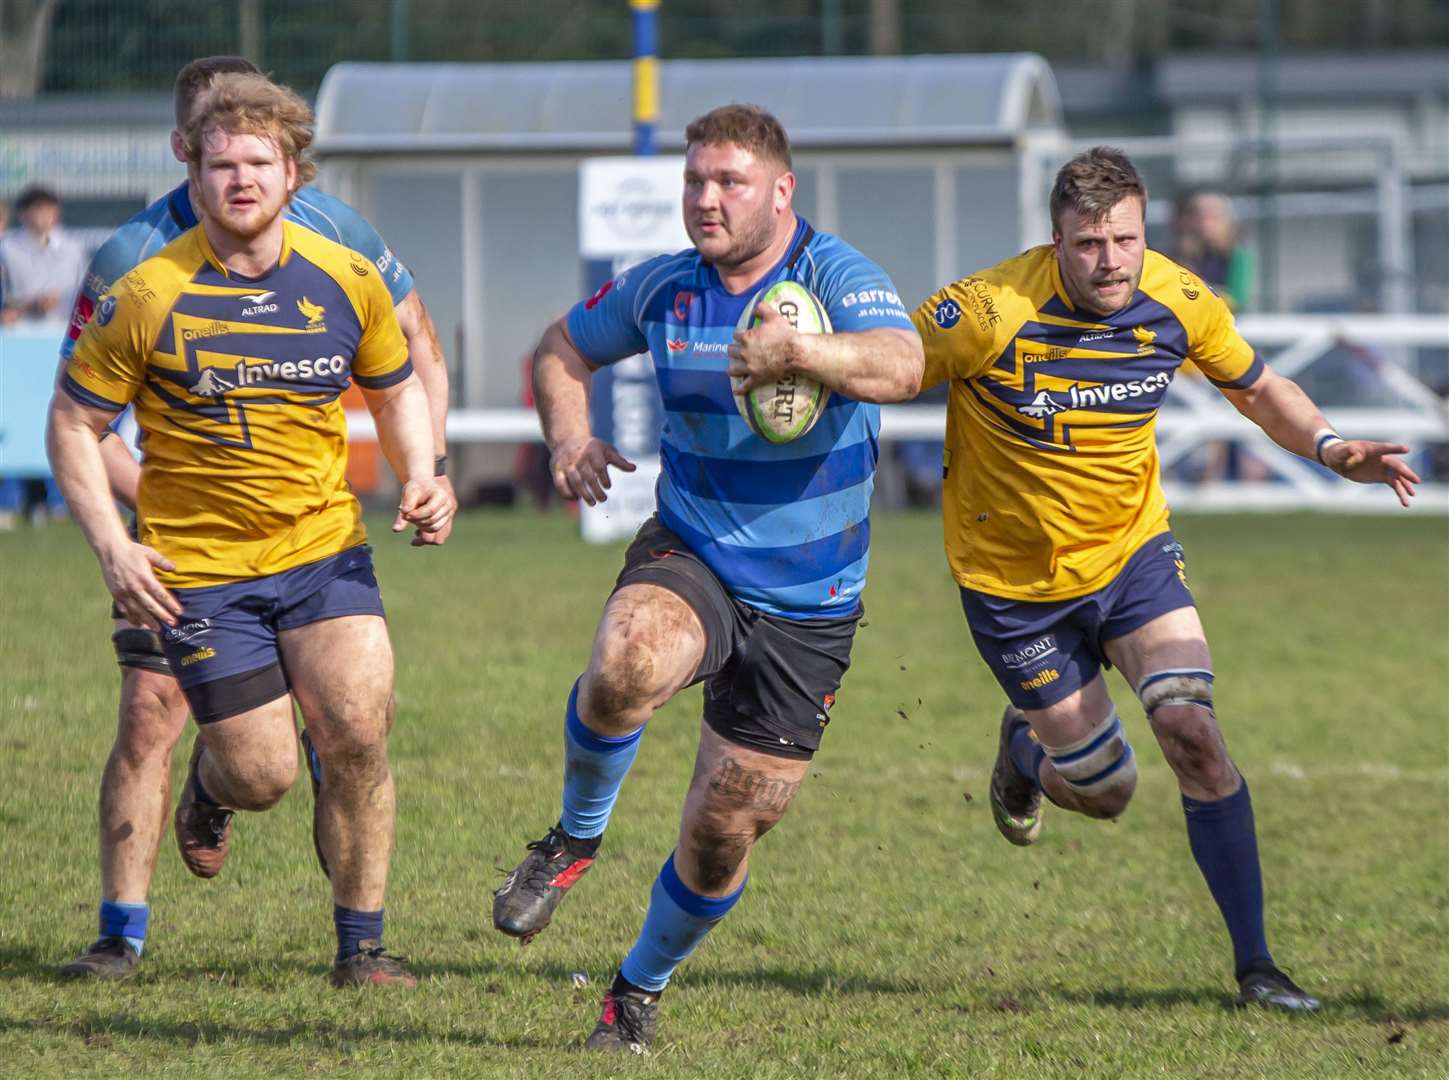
[[782, 411]]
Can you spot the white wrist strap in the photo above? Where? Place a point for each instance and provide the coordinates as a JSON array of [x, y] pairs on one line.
[[1321, 439]]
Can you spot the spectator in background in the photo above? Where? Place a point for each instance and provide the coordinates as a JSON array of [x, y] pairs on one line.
[[40, 266], [30, 497], [4, 224], [1205, 240]]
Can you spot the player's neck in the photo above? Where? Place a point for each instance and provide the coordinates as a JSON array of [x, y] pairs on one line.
[[740, 277], [249, 256]]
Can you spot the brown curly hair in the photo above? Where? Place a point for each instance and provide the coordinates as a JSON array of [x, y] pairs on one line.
[[247, 104]]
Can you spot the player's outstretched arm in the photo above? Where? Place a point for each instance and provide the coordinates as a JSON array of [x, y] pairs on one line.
[[578, 461], [431, 366], [883, 365], [72, 440], [1288, 416], [405, 432]]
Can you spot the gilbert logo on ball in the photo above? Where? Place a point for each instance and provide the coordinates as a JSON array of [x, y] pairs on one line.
[[782, 411]]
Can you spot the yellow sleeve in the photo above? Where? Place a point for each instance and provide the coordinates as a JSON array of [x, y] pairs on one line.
[[108, 366], [382, 351], [960, 329], [1213, 341]]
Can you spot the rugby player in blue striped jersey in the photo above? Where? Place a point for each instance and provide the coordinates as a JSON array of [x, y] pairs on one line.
[[136, 786], [748, 578]]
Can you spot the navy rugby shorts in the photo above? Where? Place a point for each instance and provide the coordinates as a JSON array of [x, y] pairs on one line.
[[769, 682], [223, 649], [1041, 653]]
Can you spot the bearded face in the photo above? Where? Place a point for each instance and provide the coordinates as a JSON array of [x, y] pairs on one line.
[[242, 182], [1101, 258], [734, 202]]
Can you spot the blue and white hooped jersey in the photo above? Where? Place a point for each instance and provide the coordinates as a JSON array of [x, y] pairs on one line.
[[171, 215], [785, 528]]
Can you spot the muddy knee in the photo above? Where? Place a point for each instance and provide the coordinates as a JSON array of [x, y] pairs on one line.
[[152, 717], [618, 692], [1179, 703], [1100, 768]]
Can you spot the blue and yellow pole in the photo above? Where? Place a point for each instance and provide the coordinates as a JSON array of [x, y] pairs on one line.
[[646, 74]]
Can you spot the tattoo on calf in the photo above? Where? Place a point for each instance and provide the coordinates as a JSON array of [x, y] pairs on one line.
[[749, 790]]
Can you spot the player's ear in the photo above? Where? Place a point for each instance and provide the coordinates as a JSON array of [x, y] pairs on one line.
[[178, 146], [784, 190]]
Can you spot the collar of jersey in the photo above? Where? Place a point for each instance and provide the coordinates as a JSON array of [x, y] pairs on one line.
[[712, 275], [216, 263]]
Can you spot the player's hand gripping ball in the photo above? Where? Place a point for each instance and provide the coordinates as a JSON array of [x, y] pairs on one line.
[[782, 411]]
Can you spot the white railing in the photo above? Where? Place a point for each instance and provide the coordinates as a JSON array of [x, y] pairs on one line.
[[1199, 414]]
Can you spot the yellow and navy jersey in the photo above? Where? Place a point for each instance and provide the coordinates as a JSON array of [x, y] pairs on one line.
[[1051, 478], [236, 384]]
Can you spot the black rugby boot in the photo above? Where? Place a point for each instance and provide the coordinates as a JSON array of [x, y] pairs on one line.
[[628, 1021], [523, 906], [1015, 798], [107, 958], [1263, 984]]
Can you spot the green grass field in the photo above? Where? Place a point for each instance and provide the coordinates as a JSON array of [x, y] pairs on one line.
[[887, 929]]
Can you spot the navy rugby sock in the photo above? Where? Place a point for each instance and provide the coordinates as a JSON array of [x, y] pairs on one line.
[[127, 921], [1224, 843], [354, 927], [202, 795], [594, 770], [1026, 753], [677, 921]]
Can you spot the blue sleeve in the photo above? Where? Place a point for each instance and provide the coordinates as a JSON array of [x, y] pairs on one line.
[[605, 327], [334, 219], [125, 249], [858, 295]]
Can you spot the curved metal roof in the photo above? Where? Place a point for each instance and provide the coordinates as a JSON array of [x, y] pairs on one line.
[[822, 101]]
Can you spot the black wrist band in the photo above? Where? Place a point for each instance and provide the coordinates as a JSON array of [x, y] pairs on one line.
[[440, 465]]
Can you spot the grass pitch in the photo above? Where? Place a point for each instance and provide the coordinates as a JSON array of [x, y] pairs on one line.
[[886, 931]]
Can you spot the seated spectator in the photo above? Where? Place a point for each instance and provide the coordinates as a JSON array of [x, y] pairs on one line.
[[1205, 240], [40, 266]]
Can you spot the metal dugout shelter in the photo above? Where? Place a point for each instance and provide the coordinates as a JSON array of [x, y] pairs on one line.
[[471, 171]]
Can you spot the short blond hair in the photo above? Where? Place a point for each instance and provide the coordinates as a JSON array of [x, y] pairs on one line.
[[249, 104]]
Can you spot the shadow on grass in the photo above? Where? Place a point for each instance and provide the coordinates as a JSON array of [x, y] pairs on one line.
[[317, 1034], [30, 964], [1362, 1004]]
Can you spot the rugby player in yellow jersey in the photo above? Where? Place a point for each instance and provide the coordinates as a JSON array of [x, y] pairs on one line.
[[135, 795], [1056, 526], [235, 343]]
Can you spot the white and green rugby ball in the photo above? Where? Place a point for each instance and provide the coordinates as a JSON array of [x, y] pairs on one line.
[[782, 411]]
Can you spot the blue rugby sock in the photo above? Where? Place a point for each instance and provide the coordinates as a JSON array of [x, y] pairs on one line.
[[594, 770], [1225, 846], [677, 921], [354, 927], [128, 921], [1026, 753]]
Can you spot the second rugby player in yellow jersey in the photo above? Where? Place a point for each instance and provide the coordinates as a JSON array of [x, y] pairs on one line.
[[235, 343], [1057, 532]]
